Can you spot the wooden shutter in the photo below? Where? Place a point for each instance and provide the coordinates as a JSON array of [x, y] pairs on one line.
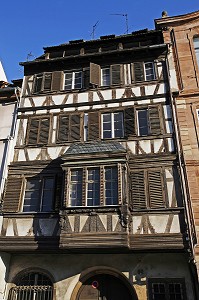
[[138, 190], [12, 194], [95, 74], [44, 131], [86, 78], [155, 189], [137, 71], [129, 122], [58, 191], [74, 127], [33, 131], [47, 81], [154, 120], [116, 74], [93, 126], [63, 133], [57, 78]]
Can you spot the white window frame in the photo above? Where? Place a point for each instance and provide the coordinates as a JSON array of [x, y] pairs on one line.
[[112, 114], [102, 76], [73, 79], [153, 71], [138, 125]]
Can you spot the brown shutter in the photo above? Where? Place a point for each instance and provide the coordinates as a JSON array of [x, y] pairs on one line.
[[86, 78], [155, 189], [154, 120], [63, 128], [116, 74], [12, 194], [44, 131], [138, 190], [47, 81], [75, 127], [58, 191], [57, 80], [129, 122], [33, 131], [95, 74], [93, 126], [138, 71]]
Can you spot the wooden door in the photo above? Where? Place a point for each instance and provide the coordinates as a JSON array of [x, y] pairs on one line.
[[104, 287]]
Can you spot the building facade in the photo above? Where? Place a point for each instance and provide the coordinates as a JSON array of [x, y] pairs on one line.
[[94, 202], [183, 33]]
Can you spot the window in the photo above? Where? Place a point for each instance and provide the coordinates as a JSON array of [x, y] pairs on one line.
[[112, 75], [42, 82], [148, 121], [93, 186], [143, 71], [39, 194], [106, 77], [69, 127], [32, 286], [147, 187], [112, 125], [38, 131], [196, 47], [73, 80], [167, 289]]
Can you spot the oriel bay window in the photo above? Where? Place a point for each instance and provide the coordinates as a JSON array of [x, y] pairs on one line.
[[39, 194], [93, 186]]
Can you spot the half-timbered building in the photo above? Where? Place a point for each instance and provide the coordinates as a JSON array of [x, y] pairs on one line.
[[94, 206]]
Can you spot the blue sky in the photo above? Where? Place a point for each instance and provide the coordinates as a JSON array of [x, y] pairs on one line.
[[28, 26]]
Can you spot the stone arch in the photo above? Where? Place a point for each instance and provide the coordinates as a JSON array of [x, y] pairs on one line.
[[32, 283], [102, 270]]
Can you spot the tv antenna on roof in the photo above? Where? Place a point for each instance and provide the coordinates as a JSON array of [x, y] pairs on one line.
[[29, 55], [94, 28], [126, 18]]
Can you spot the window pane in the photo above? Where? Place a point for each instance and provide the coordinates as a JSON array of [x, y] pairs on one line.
[[78, 80], [106, 77], [68, 81], [47, 194], [118, 125], [107, 128], [76, 187], [149, 71], [93, 187], [143, 122], [111, 186], [38, 83], [32, 195], [47, 81]]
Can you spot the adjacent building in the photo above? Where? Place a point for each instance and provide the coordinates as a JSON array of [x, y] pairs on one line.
[[183, 33], [95, 202]]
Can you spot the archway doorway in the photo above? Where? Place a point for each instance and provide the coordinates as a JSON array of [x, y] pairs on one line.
[[105, 287]]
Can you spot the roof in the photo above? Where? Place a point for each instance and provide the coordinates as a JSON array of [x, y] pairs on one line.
[[95, 147]]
